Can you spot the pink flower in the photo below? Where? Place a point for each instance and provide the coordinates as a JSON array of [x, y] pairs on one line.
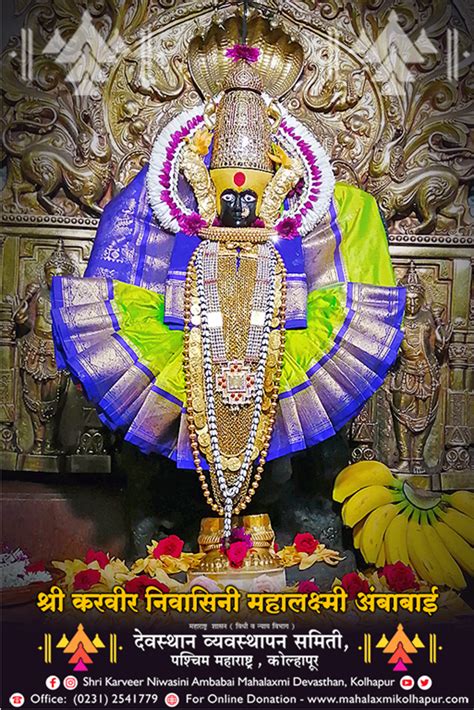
[[258, 222], [237, 553], [305, 542], [86, 579], [288, 227], [190, 224], [243, 51], [297, 190], [306, 586], [399, 577], [208, 584], [353, 584], [138, 585], [238, 535], [171, 545], [97, 556], [264, 584]]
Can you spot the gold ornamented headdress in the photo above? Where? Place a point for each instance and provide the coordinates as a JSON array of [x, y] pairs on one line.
[[242, 135], [60, 259], [252, 147], [411, 280], [243, 157]]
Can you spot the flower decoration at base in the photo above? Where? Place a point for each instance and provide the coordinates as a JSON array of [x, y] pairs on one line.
[[307, 586], [138, 585], [354, 583], [305, 542], [86, 579], [97, 556], [171, 546], [236, 553], [399, 577]]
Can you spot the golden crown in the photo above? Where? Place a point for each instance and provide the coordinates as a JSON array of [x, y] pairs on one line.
[[279, 65], [60, 259]]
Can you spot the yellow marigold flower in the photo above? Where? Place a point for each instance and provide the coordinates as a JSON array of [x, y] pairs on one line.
[[201, 141]]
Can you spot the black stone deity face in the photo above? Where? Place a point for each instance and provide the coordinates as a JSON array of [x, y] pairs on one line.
[[238, 209]]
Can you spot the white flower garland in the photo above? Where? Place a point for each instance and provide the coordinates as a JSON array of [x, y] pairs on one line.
[[158, 158], [313, 156], [294, 137]]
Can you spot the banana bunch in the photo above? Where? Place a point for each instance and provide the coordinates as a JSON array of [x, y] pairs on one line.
[[433, 533]]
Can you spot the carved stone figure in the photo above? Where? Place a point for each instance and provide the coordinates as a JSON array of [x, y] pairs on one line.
[[415, 382], [43, 385]]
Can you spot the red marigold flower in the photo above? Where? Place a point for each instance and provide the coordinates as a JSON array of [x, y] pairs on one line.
[[353, 584], [306, 586], [138, 585], [305, 542], [237, 553], [97, 556], [288, 227], [190, 224], [399, 577], [86, 579], [243, 51], [171, 545], [35, 567]]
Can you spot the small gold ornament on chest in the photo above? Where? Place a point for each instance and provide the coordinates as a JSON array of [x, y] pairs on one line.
[[236, 384]]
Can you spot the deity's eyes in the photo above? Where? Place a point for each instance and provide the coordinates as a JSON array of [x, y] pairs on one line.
[[228, 197], [248, 197]]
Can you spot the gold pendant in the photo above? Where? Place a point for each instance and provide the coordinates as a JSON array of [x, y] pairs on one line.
[[236, 384]]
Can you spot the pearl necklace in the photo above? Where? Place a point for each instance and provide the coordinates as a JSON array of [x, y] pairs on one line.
[[230, 492]]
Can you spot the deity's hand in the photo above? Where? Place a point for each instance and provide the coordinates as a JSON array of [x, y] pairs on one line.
[[443, 335], [19, 308]]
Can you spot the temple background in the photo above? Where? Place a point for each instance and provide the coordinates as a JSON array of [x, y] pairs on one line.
[[85, 94]]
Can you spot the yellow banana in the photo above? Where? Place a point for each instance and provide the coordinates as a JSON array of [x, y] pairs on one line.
[[458, 522], [381, 559], [365, 501], [357, 532], [451, 571], [462, 501], [417, 550], [396, 540], [462, 552], [374, 530], [359, 475]]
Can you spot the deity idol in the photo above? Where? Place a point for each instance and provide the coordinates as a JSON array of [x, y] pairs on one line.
[[44, 385], [238, 305]]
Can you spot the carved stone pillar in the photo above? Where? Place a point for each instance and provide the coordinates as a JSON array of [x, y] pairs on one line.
[[8, 437], [457, 457]]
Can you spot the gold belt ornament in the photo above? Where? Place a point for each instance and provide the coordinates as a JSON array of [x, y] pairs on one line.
[[237, 235]]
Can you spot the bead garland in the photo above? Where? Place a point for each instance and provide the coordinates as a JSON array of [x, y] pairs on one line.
[[235, 497]]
